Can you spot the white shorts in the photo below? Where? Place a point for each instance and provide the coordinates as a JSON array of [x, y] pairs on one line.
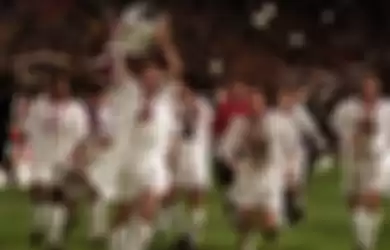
[[47, 174], [136, 179], [261, 188], [103, 177], [360, 177], [193, 171]]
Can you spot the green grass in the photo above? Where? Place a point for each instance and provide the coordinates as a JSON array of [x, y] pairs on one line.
[[327, 227]]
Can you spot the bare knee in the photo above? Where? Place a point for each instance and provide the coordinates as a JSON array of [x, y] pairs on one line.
[[149, 203]]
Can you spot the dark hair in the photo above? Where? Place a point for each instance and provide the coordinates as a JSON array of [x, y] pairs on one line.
[[154, 58], [61, 76], [287, 88], [369, 74]]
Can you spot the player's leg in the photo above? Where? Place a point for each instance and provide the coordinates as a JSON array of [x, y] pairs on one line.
[[367, 215], [246, 227], [103, 192], [271, 214], [141, 226], [196, 189], [40, 210], [61, 208], [244, 199], [172, 213], [196, 205], [124, 207], [40, 204], [99, 220], [294, 196]]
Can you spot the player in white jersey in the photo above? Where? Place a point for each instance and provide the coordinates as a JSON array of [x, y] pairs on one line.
[[103, 154], [145, 178], [55, 126], [295, 175], [361, 124], [257, 147], [192, 167]]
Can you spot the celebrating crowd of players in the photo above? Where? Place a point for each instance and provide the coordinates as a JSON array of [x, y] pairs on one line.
[[147, 139]]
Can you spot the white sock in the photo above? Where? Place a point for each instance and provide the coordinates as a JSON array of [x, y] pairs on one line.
[[250, 241], [198, 219], [118, 238], [370, 230], [99, 218], [59, 216], [366, 227], [140, 234]]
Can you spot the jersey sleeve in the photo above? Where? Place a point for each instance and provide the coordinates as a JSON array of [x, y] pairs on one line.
[[283, 140], [340, 119], [107, 122], [31, 123], [309, 127], [232, 139], [382, 139], [82, 123]]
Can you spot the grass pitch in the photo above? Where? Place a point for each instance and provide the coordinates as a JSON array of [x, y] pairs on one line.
[[326, 228]]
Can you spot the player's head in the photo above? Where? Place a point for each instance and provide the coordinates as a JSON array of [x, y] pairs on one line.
[[239, 89], [258, 101], [302, 93], [287, 97], [187, 89], [221, 94], [151, 71], [59, 86], [370, 86], [94, 93]]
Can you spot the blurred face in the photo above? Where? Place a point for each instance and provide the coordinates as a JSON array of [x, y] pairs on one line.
[[102, 78], [188, 97], [61, 88], [370, 88], [302, 94], [258, 102], [151, 78], [221, 95], [239, 90], [287, 99]]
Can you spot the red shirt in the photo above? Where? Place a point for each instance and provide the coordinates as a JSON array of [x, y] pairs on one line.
[[226, 111]]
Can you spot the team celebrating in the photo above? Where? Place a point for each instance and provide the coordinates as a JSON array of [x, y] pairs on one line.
[[145, 142]]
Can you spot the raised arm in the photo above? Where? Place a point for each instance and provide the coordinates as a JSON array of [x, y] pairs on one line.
[[164, 39]]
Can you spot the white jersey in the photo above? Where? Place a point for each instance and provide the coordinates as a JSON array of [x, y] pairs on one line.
[[278, 129], [364, 155], [259, 179], [54, 130], [149, 144], [150, 139], [195, 152], [291, 142]]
